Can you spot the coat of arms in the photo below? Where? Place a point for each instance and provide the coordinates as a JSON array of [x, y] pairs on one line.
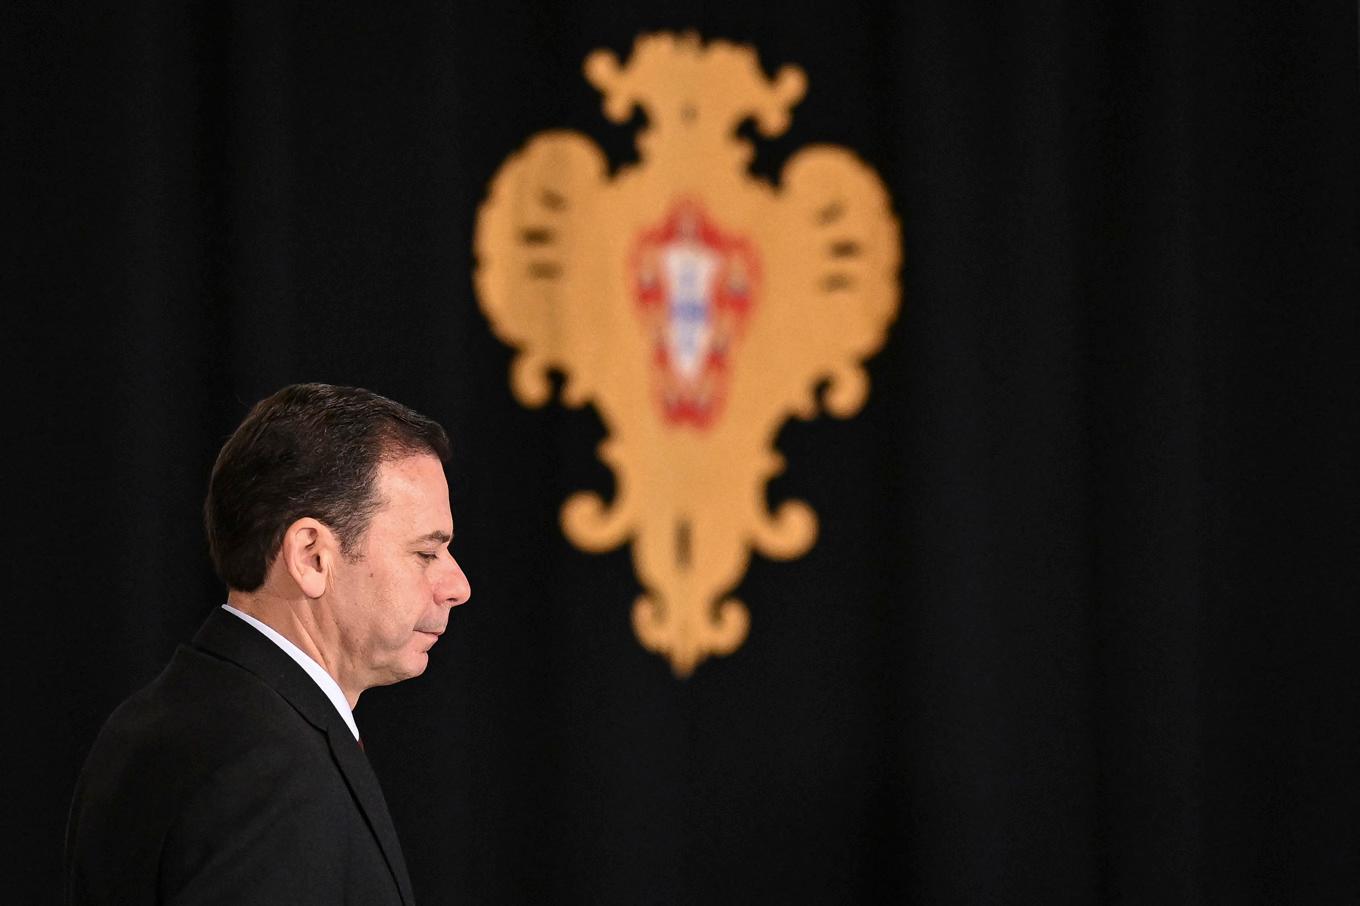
[[696, 307]]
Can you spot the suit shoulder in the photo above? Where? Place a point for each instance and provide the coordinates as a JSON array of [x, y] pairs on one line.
[[201, 698], [203, 731], [200, 714]]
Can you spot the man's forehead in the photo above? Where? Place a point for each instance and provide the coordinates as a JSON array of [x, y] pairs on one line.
[[414, 474], [414, 487]]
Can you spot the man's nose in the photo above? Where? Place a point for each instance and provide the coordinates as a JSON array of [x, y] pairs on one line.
[[453, 589]]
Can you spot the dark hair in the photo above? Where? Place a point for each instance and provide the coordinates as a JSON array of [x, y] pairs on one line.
[[308, 450]]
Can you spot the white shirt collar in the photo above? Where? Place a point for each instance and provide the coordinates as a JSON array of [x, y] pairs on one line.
[[314, 670]]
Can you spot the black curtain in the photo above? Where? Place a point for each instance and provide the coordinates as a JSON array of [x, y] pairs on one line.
[[1082, 620]]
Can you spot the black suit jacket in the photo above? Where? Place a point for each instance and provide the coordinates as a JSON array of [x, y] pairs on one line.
[[231, 779]]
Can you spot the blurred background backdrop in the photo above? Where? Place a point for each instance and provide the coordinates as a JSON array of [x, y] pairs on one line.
[[1081, 621]]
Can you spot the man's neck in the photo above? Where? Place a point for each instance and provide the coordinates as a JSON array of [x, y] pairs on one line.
[[294, 621]]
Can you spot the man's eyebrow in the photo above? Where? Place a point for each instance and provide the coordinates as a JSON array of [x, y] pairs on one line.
[[437, 537]]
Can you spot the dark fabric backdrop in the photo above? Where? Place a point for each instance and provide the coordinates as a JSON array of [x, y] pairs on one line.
[[1082, 621]]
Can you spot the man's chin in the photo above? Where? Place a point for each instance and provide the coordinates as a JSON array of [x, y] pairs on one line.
[[415, 665], [411, 666]]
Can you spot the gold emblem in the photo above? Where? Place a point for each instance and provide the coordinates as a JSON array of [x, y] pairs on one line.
[[697, 308]]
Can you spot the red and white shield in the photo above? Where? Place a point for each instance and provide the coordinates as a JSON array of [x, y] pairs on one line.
[[695, 286]]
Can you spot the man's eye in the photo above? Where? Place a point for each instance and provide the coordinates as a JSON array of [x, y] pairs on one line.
[[427, 555]]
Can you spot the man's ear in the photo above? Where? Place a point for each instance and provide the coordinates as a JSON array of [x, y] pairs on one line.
[[308, 552]]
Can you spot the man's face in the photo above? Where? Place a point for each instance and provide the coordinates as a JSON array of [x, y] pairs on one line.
[[391, 604]]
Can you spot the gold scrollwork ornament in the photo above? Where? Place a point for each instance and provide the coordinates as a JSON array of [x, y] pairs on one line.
[[696, 307]]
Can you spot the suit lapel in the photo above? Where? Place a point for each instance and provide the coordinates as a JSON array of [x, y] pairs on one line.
[[230, 637], [363, 783]]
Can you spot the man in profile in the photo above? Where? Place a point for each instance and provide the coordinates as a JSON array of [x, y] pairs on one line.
[[238, 775]]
